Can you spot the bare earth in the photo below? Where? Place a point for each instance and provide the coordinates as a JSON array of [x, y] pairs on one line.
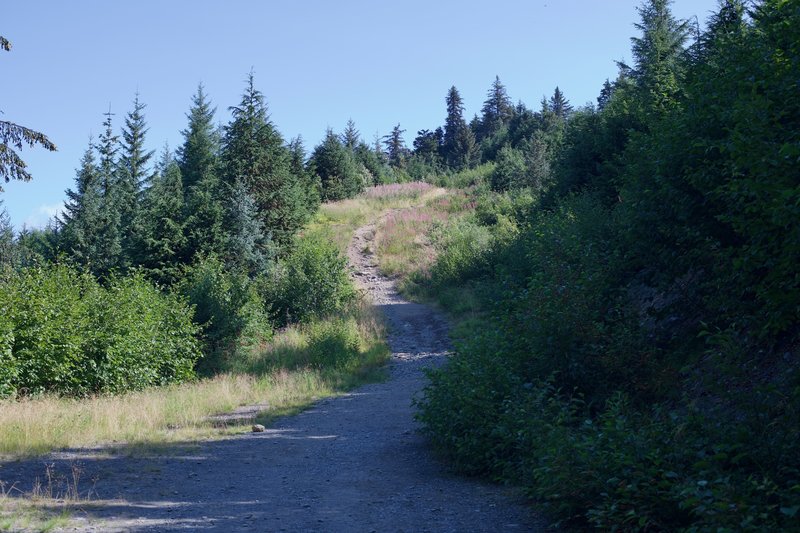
[[353, 463]]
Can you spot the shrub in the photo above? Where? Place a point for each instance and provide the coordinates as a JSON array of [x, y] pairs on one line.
[[229, 308], [69, 335], [312, 281], [334, 343]]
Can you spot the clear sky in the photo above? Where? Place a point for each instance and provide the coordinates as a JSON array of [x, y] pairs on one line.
[[318, 63]]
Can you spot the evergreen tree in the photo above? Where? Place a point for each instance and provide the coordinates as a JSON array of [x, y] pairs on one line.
[[337, 170], [374, 163], [658, 68], [459, 147], [197, 157], [605, 95], [428, 146], [254, 153], [133, 175], [396, 147], [559, 105], [310, 182], [497, 110], [247, 248], [109, 237], [351, 137], [81, 219], [164, 242]]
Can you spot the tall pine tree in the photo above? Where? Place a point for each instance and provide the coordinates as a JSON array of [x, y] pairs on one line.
[[497, 111], [197, 157], [254, 153], [460, 150]]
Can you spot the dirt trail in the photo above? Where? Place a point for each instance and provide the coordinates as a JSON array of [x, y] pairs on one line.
[[353, 463]]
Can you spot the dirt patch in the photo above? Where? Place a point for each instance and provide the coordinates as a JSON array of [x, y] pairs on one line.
[[353, 463]]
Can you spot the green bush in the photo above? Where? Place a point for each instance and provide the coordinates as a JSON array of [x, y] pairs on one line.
[[228, 306], [70, 335], [311, 282]]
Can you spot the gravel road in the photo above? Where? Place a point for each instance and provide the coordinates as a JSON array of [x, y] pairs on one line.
[[353, 463]]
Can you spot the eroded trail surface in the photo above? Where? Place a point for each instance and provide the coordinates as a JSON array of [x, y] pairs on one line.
[[353, 463]]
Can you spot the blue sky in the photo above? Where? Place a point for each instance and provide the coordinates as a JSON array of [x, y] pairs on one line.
[[317, 62]]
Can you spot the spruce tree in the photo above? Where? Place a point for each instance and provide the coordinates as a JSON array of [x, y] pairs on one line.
[[351, 137], [497, 110], [247, 249], [133, 175], [658, 67], [459, 147], [109, 237], [81, 219], [297, 163], [254, 153], [197, 157], [605, 95], [162, 224], [559, 105], [396, 147], [336, 169]]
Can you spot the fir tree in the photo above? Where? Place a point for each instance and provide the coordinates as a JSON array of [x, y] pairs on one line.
[[247, 248], [351, 137], [559, 105], [658, 69], [497, 110], [336, 169], [109, 236], [396, 147], [254, 153], [459, 147], [162, 223], [81, 219], [7, 249], [133, 175], [310, 182], [605, 95], [198, 155]]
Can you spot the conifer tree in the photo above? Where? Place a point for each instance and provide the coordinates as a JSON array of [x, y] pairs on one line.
[[133, 176], [197, 157], [81, 219], [109, 237], [605, 95], [336, 168], [7, 251], [459, 147], [559, 105], [297, 163], [247, 249], [658, 68], [164, 242], [351, 137], [497, 110], [254, 153], [396, 147]]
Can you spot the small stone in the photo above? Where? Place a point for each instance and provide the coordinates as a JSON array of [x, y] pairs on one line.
[[258, 428]]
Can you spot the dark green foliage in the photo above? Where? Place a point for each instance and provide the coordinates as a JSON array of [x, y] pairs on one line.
[[338, 172], [396, 149], [8, 252], [198, 155], [69, 335], [497, 110], [511, 171], [311, 282], [227, 306], [163, 242], [254, 153], [559, 105], [458, 146], [247, 248], [635, 364], [374, 162]]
